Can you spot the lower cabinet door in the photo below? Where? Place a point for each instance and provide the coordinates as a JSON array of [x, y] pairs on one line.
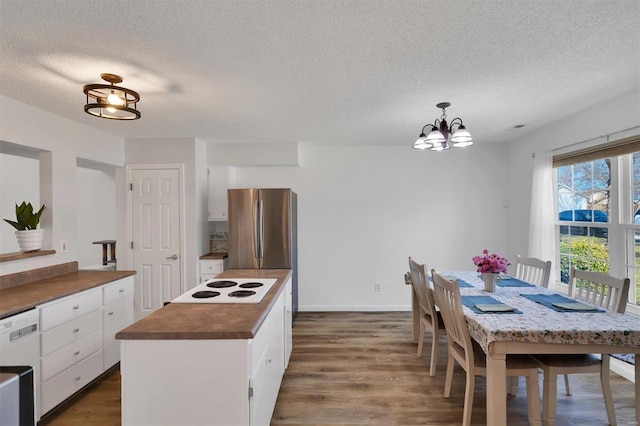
[[260, 402], [69, 381], [115, 316]]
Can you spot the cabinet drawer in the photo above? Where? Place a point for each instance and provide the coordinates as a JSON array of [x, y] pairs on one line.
[[68, 382], [69, 308], [211, 266], [117, 290], [70, 332], [66, 357]]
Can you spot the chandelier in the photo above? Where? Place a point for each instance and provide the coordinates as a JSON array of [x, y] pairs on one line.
[[111, 101], [442, 135]]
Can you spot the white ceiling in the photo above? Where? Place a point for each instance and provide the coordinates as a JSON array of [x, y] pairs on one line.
[[331, 72]]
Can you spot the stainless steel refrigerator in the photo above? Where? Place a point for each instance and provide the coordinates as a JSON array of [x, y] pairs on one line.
[[263, 231]]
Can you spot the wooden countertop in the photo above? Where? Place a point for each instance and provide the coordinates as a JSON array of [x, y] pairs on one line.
[[214, 255], [177, 321], [23, 297]]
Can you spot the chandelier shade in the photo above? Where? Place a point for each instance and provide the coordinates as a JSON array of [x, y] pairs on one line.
[[442, 135], [111, 101]]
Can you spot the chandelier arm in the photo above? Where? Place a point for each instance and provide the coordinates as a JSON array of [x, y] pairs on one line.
[[425, 126], [459, 123]]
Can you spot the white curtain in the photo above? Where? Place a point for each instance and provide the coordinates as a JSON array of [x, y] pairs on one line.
[[542, 242]]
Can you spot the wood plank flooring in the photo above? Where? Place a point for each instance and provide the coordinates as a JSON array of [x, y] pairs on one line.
[[360, 368]]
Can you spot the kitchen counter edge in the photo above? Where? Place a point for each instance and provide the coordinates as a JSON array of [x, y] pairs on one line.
[[24, 297], [212, 321]]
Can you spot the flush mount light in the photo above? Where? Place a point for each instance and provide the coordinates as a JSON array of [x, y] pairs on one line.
[[442, 135], [111, 101]]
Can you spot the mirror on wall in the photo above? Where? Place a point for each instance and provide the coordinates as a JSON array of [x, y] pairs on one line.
[[96, 211], [19, 181]]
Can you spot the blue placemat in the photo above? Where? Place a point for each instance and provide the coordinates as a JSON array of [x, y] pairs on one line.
[[461, 283], [513, 282], [471, 302], [548, 300]]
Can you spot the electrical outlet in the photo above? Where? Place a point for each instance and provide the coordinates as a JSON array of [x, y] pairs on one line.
[[377, 286], [64, 246]]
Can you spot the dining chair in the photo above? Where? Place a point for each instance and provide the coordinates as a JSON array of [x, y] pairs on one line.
[[603, 291], [430, 317], [533, 270], [470, 356]]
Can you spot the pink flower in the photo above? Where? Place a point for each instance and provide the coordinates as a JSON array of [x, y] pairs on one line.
[[490, 263]]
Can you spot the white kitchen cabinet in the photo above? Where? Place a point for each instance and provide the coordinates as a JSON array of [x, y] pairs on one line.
[[117, 313], [226, 382], [220, 179], [71, 335], [288, 322], [209, 268]]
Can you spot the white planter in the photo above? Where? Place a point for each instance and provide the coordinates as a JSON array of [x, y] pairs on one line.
[[490, 281], [29, 240]]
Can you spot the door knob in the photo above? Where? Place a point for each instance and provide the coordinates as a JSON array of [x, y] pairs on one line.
[[174, 257]]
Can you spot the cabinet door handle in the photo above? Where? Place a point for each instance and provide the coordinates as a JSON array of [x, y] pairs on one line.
[[76, 353], [75, 330], [121, 290], [76, 307], [110, 312], [77, 378]]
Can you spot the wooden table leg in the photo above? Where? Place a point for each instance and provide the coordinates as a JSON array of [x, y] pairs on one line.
[[415, 315], [496, 390]]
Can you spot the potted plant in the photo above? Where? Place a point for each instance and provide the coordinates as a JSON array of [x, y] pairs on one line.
[[490, 266], [29, 238]]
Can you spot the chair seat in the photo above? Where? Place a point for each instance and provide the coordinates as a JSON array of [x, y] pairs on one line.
[[569, 360]]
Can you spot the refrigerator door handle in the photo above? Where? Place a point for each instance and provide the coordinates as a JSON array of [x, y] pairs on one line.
[[256, 229], [261, 231]]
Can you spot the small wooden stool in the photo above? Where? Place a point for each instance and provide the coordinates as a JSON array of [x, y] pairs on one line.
[[112, 251]]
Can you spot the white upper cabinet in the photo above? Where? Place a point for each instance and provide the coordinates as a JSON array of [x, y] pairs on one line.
[[221, 178]]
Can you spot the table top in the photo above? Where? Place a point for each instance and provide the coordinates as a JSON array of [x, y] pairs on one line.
[[540, 324]]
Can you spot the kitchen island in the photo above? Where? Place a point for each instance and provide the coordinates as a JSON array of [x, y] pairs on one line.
[[208, 363]]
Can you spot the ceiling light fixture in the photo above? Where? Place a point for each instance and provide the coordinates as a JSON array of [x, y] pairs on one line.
[[442, 133], [111, 101]]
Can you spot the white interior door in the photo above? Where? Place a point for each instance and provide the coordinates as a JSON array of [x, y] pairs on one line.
[[156, 237]]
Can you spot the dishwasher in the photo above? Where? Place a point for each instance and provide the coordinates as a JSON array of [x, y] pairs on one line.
[[20, 347]]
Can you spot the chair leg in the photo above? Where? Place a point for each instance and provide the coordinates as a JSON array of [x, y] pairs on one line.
[[421, 339], [449, 375], [468, 398], [533, 398], [567, 386], [549, 397], [513, 383], [434, 352], [606, 390]]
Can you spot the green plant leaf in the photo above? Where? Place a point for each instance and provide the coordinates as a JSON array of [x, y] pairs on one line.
[[25, 218]]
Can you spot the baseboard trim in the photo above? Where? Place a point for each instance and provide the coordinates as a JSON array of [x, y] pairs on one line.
[[354, 308]]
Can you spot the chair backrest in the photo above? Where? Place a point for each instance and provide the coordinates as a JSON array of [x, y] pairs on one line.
[[448, 299], [420, 284], [533, 270], [600, 289]]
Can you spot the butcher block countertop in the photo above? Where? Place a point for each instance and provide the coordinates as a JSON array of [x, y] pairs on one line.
[[24, 296], [178, 321]]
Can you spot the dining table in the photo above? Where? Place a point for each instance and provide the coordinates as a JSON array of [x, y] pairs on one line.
[[534, 327]]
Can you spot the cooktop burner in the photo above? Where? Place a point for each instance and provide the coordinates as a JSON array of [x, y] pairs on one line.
[[228, 290], [205, 294], [242, 293], [222, 284], [251, 285]]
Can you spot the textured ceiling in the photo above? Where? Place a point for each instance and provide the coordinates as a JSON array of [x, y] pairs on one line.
[[331, 72]]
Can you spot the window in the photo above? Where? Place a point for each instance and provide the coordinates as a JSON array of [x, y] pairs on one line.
[[598, 214]]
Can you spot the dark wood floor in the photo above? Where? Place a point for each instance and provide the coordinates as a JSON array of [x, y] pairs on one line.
[[351, 368]]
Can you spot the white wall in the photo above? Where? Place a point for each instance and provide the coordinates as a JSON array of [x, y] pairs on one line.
[[64, 141], [96, 213], [12, 191], [363, 210], [614, 115], [192, 154]]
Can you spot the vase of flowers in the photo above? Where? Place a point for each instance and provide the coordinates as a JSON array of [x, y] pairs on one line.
[[490, 266]]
